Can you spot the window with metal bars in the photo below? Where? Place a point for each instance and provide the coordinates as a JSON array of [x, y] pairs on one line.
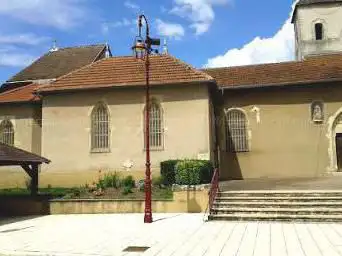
[[236, 131], [7, 132], [156, 126], [100, 131]]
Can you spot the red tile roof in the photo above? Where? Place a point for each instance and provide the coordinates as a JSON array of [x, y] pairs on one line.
[[128, 71], [20, 94], [314, 69]]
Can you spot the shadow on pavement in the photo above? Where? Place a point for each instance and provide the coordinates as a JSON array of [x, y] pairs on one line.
[[4, 220]]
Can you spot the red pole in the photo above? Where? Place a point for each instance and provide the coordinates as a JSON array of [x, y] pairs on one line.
[[148, 192]]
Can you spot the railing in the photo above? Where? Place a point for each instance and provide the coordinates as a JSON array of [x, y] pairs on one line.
[[213, 191]]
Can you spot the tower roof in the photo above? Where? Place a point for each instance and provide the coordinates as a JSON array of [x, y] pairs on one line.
[[312, 2]]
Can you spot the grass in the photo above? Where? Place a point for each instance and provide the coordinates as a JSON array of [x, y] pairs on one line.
[[74, 193], [54, 192]]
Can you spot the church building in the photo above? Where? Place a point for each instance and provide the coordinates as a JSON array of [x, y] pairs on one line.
[[83, 109]]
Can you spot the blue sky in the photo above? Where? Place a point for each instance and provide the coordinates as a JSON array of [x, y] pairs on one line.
[[201, 32]]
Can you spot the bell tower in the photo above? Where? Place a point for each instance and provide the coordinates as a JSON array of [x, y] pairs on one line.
[[318, 27]]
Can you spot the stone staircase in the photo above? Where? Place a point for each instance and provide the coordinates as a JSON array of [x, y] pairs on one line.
[[315, 206]]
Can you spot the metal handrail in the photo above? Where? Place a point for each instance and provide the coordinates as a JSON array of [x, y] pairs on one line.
[[214, 186]]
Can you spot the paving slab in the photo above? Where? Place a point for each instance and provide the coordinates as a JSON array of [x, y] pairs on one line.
[[169, 234]]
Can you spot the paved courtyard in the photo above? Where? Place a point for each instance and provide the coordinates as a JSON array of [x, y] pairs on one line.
[[170, 234]]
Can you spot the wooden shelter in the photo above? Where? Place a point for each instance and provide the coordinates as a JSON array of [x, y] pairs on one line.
[[12, 156]]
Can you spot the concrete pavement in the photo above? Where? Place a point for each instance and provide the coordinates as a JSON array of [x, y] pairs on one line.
[[170, 234]]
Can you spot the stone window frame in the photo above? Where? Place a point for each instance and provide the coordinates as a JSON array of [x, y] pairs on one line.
[[7, 132], [229, 145], [101, 144], [324, 29], [157, 136]]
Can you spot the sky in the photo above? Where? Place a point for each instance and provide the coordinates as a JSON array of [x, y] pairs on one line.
[[203, 33]]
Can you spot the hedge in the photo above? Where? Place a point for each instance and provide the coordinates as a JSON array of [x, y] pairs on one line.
[[167, 171], [186, 172]]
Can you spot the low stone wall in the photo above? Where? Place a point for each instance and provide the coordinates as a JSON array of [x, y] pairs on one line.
[[191, 201]]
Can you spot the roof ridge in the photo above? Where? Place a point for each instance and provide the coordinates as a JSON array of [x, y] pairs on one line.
[[198, 71], [81, 46], [254, 65]]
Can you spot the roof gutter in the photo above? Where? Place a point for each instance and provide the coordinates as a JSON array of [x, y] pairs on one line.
[[238, 87]]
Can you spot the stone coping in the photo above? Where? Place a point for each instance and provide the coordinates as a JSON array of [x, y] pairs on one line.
[[107, 200], [201, 187], [279, 191]]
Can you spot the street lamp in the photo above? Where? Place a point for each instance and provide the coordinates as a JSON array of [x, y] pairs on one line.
[[142, 49]]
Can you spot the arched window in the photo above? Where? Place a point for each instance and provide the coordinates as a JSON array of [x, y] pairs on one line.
[[156, 126], [7, 132], [100, 129], [319, 31], [236, 131]]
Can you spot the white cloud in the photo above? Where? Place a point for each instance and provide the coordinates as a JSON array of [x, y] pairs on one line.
[[61, 14], [131, 5], [200, 12], [280, 47], [105, 27], [16, 59], [169, 29], [24, 39]]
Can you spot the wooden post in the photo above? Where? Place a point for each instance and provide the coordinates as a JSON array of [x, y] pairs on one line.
[[32, 171], [34, 180]]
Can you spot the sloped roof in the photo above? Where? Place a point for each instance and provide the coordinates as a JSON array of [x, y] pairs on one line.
[[128, 71], [14, 156], [20, 94], [60, 62], [311, 2], [322, 68]]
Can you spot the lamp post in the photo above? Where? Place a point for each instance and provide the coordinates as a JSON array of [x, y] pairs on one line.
[[142, 49]]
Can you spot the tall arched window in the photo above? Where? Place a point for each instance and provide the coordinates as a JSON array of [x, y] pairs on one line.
[[100, 131], [319, 31], [236, 131], [156, 126], [7, 132]]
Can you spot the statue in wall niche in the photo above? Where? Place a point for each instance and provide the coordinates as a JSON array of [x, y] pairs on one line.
[[317, 111]]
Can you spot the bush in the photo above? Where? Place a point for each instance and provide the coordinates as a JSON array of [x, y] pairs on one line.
[[128, 182], [157, 181], [193, 172], [111, 180], [167, 171], [127, 190]]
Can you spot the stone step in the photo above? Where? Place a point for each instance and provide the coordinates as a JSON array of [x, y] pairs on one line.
[[297, 211], [278, 198], [277, 204], [278, 194], [275, 217]]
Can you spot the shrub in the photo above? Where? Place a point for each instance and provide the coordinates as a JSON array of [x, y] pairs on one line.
[[127, 190], [128, 181], [111, 180], [157, 181], [193, 172], [167, 171]]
